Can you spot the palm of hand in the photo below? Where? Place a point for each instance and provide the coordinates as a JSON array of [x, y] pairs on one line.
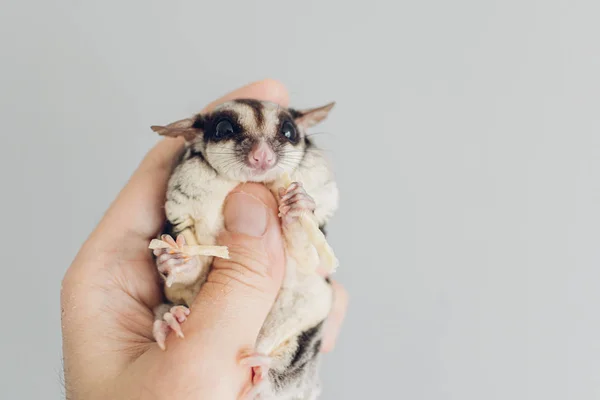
[[110, 290]]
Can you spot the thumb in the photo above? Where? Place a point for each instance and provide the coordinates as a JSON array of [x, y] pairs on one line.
[[241, 290]]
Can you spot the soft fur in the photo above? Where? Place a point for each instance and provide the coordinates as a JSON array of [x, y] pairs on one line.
[[208, 170]]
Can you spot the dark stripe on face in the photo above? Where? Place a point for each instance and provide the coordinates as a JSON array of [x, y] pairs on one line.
[[257, 109], [285, 118], [294, 113], [211, 122]]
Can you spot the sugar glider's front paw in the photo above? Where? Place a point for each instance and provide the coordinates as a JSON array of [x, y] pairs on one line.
[[174, 265], [294, 202], [168, 319]]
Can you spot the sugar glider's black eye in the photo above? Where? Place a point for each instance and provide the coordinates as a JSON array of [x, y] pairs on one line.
[[289, 131], [223, 129]]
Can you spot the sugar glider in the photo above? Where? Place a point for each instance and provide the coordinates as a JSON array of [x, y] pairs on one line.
[[247, 140]]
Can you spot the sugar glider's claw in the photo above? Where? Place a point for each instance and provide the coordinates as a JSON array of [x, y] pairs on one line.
[[173, 324], [171, 321], [160, 330]]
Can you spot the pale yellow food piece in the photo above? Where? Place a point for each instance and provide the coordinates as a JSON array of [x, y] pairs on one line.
[[195, 250], [329, 262]]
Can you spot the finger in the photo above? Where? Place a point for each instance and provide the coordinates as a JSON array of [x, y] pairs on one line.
[[334, 322], [233, 304], [242, 289], [138, 209]]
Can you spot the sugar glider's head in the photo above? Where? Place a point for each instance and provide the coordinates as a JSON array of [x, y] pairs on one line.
[[249, 140]]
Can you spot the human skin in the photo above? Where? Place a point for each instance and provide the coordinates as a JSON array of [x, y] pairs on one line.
[[111, 287]]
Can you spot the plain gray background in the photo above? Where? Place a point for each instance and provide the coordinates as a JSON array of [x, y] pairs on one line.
[[465, 140]]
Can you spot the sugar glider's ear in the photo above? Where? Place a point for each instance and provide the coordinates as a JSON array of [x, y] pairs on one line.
[[312, 116], [189, 128]]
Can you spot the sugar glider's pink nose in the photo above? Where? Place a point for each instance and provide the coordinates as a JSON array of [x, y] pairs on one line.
[[261, 156]]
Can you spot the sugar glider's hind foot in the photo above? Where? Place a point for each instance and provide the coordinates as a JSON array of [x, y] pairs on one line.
[[168, 318], [260, 364]]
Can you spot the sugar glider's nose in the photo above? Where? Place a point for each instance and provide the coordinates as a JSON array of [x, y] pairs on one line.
[[261, 156]]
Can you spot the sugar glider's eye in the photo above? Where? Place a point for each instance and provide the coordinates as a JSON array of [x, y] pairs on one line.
[[289, 131], [223, 129]]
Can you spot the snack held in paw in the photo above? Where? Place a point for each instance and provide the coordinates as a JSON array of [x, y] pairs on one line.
[[296, 205], [175, 259], [240, 141], [168, 245]]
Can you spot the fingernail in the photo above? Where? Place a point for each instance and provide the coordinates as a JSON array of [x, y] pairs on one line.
[[245, 214]]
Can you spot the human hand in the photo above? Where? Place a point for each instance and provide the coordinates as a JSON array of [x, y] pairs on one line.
[[109, 292]]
